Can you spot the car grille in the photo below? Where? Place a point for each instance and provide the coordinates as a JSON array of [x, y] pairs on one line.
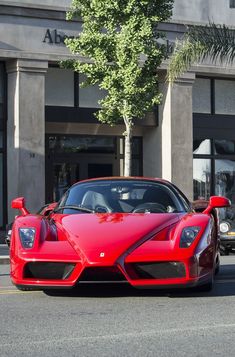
[[156, 270], [48, 270], [102, 274]]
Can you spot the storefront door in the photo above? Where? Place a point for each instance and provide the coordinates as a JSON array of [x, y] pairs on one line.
[[63, 172], [71, 158]]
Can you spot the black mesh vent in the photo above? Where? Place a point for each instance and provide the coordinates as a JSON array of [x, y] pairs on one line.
[[102, 274], [160, 270], [48, 270]]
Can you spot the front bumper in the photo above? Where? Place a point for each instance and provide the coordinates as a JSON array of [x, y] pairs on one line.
[[227, 241], [39, 271]]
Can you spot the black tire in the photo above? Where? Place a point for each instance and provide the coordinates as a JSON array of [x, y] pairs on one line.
[[209, 285], [206, 287], [224, 251], [217, 266]]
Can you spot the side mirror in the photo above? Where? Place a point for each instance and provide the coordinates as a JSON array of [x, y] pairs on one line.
[[217, 202], [19, 203]]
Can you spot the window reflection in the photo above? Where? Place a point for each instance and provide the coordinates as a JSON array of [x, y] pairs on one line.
[[201, 178], [225, 185], [224, 147], [225, 178], [202, 147], [75, 144], [89, 96], [64, 176], [1, 188], [202, 95], [2, 153], [224, 96]]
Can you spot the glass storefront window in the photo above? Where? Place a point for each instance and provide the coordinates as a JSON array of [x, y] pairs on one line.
[[224, 97], [225, 186], [201, 178], [89, 96], [2, 150], [225, 178], [202, 96], [59, 87], [225, 147], [136, 146], [202, 147], [77, 144], [64, 175], [1, 189]]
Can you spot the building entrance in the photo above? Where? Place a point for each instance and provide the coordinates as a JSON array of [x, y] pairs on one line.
[[71, 158], [63, 172]]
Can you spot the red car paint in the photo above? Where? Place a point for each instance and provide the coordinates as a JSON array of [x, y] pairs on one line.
[[116, 243]]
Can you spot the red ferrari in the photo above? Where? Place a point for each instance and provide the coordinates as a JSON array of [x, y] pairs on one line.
[[141, 231]]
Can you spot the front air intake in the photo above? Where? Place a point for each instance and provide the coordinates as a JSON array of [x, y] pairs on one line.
[[158, 270], [102, 274], [48, 270]]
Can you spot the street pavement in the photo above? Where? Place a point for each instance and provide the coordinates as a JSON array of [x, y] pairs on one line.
[[118, 321]]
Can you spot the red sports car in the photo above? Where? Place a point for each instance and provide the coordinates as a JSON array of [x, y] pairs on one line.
[[141, 231]]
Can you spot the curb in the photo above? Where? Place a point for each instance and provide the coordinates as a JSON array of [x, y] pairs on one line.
[[4, 254], [4, 259]]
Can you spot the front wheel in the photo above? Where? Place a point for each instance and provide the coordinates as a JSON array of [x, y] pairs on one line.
[[209, 285], [217, 265], [206, 287], [223, 250]]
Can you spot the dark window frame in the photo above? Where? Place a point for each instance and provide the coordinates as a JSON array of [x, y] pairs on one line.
[[3, 149], [213, 157], [77, 114], [232, 4], [208, 126]]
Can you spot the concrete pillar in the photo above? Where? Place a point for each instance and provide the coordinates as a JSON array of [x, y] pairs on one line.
[[26, 132], [176, 127]]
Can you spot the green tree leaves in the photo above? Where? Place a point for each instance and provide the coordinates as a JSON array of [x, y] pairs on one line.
[[119, 42]]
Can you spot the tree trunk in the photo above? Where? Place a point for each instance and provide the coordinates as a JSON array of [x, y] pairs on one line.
[[128, 148]]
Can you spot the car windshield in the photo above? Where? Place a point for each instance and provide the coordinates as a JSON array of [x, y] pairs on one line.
[[123, 196]]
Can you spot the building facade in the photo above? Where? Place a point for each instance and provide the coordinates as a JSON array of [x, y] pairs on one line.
[[49, 137]]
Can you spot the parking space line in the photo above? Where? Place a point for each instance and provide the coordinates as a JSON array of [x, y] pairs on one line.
[[12, 292]]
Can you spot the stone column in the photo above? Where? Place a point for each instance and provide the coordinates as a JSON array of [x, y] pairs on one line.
[[176, 126], [26, 133]]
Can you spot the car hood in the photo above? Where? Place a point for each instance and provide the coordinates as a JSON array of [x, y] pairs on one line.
[[103, 238]]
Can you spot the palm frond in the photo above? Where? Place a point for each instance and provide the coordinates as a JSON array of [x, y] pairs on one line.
[[200, 42], [183, 57]]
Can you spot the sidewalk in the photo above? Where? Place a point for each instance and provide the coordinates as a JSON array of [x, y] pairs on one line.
[[4, 254]]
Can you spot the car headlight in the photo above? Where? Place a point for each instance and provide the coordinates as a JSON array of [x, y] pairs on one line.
[[27, 236], [188, 235], [224, 227]]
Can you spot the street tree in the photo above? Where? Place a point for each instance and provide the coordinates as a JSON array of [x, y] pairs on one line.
[[216, 42], [119, 50]]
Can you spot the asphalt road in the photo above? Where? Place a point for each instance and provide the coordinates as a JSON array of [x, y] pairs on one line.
[[118, 321]]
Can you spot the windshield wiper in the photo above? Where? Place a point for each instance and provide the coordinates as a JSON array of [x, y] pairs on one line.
[[78, 208]]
